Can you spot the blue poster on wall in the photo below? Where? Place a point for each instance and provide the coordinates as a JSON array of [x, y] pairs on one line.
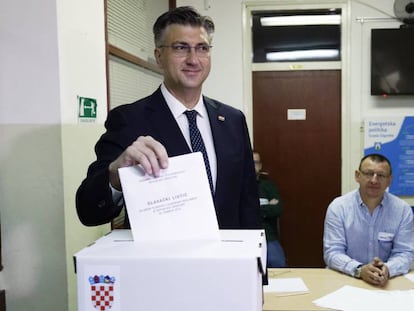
[[394, 138]]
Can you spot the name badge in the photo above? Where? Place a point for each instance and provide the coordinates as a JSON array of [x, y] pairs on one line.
[[385, 236]]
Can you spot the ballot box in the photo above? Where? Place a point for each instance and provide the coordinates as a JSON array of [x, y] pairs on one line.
[[116, 273]]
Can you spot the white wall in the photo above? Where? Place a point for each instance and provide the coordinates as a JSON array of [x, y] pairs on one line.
[[31, 184], [50, 52], [81, 33]]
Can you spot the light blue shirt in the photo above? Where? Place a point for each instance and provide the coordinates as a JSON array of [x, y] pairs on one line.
[[352, 236]]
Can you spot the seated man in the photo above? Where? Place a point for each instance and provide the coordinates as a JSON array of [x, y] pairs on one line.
[[270, 210], [369, 233]]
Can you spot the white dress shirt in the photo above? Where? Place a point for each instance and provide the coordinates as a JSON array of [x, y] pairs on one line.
[[203, 124]]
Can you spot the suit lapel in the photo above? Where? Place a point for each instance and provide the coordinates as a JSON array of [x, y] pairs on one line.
[[164, 126], [218, 126], [220, 137]]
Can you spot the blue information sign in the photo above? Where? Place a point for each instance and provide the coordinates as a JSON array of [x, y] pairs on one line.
[[394, 138]]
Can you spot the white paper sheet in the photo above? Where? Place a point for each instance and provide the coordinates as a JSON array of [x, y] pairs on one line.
[[177, 205], [349, 298], [286, 286], [410, 276]]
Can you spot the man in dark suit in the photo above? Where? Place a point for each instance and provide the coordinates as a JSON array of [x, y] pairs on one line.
[[154, 128]]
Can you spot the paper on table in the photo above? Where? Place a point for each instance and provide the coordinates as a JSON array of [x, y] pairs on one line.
[[349, 298], [286, 286], [410, 276], [177, 205]]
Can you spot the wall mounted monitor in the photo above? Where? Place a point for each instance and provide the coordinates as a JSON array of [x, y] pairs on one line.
[[392, 61]]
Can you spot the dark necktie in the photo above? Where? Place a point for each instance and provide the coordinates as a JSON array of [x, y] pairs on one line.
[[197, 143]]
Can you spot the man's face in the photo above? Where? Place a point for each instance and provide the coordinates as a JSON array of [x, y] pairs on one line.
[[188, 70], [257, 162], [373, 178]]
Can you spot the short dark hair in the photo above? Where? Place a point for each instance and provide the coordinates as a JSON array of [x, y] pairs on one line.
[[184, 15], [376, 157]]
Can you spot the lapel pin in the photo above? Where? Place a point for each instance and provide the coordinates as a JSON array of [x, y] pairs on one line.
[[221, 118]]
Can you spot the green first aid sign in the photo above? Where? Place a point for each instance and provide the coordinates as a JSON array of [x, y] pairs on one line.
[[87, 108]]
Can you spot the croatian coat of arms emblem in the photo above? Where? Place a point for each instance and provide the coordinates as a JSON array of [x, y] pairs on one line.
[[102, 292]]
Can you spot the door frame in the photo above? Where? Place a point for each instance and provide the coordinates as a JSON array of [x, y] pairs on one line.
[[347, 148]]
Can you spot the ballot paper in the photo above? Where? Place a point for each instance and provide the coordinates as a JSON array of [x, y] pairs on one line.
[[177, 205]]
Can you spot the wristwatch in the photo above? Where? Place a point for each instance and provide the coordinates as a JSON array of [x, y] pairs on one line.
[[357, 272]]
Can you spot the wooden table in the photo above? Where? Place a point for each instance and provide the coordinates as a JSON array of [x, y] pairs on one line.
[[320, 283]]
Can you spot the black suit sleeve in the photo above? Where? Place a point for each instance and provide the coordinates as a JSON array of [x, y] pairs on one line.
[[94, 204], [236, 197]]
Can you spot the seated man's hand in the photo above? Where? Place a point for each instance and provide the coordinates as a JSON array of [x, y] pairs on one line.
[[375, 273], [274, 201]]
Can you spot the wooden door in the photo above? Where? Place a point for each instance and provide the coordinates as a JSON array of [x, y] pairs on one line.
[[303, 157]]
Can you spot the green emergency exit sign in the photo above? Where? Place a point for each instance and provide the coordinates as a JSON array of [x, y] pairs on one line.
[[87, 108]]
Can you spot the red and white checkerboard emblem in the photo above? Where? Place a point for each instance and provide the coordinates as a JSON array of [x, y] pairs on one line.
[[102, 292]]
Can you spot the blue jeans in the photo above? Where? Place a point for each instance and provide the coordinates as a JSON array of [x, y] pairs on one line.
[[275, 255]]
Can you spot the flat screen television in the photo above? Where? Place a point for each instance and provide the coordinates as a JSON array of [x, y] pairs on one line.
[[392, 61]]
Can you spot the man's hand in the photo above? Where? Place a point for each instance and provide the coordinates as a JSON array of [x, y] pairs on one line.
[[375, 273], [147, 152], [274, 201]]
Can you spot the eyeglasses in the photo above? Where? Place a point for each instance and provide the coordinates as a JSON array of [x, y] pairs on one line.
[[181, 49], [369, 175]]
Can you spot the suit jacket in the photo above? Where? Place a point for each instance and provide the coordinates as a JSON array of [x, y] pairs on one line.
[[236, 197]]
